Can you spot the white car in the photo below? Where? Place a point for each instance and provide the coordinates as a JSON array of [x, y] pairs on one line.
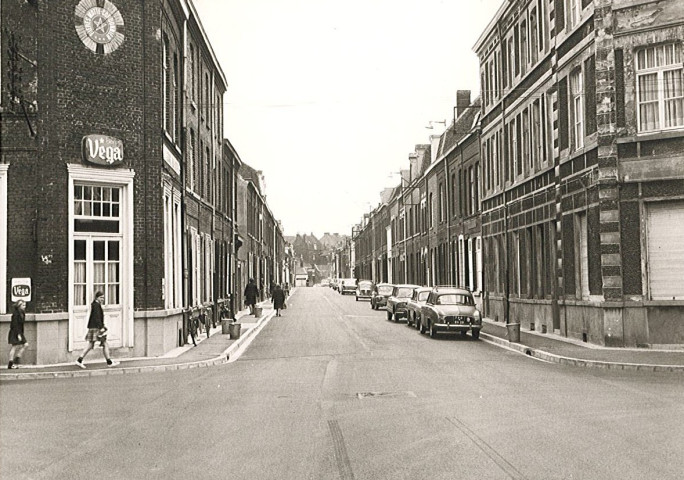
[[347, 285]]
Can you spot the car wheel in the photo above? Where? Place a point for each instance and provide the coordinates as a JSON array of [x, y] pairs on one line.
[[422, 327], [357, 299], [475, 334], [433, 331], [389, 315], [464, 333], [417, 322], [409, 322]]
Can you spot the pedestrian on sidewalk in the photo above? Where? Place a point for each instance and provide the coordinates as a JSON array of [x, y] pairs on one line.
[[251, 294], [96, 331], [278, 298], [205, 319], [16, 336]]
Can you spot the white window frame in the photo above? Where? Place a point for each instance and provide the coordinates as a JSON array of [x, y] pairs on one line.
[[577, 107], [659, 71], [574, 9], [3, 237]]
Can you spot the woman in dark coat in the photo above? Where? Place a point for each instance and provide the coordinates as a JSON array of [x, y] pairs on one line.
[[251, 294], [278, 297], [16, 336]]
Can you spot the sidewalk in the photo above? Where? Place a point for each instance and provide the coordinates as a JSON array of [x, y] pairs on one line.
[[551, 347], [215, 350]]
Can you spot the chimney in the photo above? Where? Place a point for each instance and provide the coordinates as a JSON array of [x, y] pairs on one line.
[[462, 101]]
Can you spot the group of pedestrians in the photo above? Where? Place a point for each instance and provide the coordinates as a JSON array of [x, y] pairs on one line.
[[97, 331], [278, 296]]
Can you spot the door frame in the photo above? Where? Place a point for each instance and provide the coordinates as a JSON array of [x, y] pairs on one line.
[[120, 178]]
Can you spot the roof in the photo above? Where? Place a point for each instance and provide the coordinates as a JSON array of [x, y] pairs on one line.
[[459, 129]]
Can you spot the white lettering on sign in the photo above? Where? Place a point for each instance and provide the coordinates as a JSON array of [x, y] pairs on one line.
[[102, 149]]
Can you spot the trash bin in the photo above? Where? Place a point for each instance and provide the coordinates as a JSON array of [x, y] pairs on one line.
[[513, 332], [234, 330], [225, 324], [257, 311]]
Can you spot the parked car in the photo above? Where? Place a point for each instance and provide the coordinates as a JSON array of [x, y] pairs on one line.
[[414, 305], [347, 285], [450, 310], [364, 289], [396, 303], [380, 294]]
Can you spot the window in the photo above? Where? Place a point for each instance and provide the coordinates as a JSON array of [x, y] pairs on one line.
[[577, 108], [430, 212], [166, 85], [441, 203], [192, 162], [533, 37], [96, 209], [574, 12], [582, 257], [526, 140], [659, 87], [192, 78], [535, 135], [524, 57]]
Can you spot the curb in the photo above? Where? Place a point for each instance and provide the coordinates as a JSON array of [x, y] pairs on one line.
[[221, 359], [576, 362]]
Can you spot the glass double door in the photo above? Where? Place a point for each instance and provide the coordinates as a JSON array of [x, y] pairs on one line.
[[97, 267]]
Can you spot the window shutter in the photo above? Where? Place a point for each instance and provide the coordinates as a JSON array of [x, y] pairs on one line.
[[619, 88], [563, 113], [590, 95]]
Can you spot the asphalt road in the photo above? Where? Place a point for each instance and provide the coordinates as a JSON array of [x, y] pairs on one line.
[[333, 390]]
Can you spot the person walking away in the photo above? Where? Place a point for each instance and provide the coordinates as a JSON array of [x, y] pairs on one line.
[[96, 331], [251, 294], [16, 336], [205, 318], [278, 298]]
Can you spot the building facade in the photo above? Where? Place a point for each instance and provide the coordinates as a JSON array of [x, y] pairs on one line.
[[582, 189], [114, 174], [426, 230]]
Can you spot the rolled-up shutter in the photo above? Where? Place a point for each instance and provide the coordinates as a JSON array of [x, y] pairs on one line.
[[666, 250]]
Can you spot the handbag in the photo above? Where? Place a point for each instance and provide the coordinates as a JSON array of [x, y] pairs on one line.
[[284, 305]]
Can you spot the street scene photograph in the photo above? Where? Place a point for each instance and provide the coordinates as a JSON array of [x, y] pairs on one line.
[[305, 239]]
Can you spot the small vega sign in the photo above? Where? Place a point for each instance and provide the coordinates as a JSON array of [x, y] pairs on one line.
[[21, 289], [102, 150]]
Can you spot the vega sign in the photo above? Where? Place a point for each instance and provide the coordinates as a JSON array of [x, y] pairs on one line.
[[102, 150]]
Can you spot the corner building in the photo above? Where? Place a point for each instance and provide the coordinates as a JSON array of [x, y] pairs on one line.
[[95, 168], [582, 170]]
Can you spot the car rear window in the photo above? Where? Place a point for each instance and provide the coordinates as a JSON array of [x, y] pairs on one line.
[[422, 296], [455, 299], [365, 284], [404, 292], [385, 290]]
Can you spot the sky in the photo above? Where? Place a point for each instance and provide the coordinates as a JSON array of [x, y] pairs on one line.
[[329, 98]]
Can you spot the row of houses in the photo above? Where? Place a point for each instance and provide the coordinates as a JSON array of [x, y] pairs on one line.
[[115, 176], [557, 196]]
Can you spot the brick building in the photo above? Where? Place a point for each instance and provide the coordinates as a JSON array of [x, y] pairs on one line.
[[582, 134], [114, 174], [426, 230]]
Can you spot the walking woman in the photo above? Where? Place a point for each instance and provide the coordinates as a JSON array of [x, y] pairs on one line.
[[278, 297], [96, 331], [251, 294], [16, 336]]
